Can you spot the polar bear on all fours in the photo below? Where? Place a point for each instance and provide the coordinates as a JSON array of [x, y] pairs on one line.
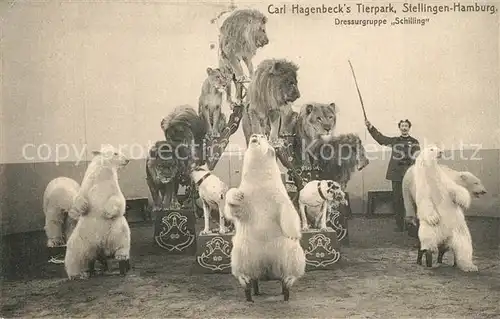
[[266, 243], [440, 205], [102, 229]]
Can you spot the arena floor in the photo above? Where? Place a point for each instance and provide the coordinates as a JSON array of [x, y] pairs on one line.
[[377, 278]]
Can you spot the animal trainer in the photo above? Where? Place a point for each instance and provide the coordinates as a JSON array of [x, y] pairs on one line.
[[404, 150]]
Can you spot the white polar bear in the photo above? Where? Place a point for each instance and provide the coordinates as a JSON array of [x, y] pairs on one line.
[[464, 178], [440, 202], [102, 229], [57, 201], [266, 244]]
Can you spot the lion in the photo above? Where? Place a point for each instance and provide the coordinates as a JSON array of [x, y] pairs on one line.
[[315, 126], [273, 87], [168, 161], [162, 171], [210, 100], [316, 147], [241, 34]]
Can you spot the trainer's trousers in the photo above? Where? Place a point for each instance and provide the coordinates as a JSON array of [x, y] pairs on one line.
[[398, 203]]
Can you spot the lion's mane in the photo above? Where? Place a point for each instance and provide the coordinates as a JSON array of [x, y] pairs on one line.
[[268, 90], [347, 151], [185, 130], [237, 33], [337, 158]]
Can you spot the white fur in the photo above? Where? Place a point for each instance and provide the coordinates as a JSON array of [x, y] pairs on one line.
[[267, 227], [463, 178], [313, 207], [102, 226], [440, 203], [212, 193], [57, 201]]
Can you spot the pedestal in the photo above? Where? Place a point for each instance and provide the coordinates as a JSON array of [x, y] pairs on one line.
[[213, 254], [174, 231], [322, 249], [336, 218]]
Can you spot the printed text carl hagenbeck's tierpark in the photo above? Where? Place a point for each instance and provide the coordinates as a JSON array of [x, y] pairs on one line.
[[382, 14]]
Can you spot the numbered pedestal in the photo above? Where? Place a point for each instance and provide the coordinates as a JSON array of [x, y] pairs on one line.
[[213, 254], [336, 219], [174, 231], [322, 249]]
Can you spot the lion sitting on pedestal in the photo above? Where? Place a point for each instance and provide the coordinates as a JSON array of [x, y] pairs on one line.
[[241, 34], [273, 87], [317, 148]]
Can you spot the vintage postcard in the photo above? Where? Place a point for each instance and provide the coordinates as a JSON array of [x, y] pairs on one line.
[[250, 159]]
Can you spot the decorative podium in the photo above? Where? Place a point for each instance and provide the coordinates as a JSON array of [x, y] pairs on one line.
[[213, 254], [322, 249], [336, 219], [174, 231]]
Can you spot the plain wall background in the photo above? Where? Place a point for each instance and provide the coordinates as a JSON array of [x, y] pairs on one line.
[[84, 74]]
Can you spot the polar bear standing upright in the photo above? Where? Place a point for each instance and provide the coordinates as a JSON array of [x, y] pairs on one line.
[[57, 201], [463, 178], [102, 229], [266, 244], [440, 202]]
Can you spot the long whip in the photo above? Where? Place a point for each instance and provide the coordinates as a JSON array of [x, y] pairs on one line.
[[357, 88]]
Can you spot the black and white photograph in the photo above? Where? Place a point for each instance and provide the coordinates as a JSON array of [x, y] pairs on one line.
[[249, 159]]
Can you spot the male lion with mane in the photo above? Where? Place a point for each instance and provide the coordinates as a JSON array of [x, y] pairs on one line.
[[315, 125], [241, 34], [316, 147], [269, 94]]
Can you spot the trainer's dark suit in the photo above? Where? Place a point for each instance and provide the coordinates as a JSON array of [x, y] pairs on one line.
[[402, 157]]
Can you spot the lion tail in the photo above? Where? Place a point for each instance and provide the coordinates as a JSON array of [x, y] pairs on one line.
[[184, 124]]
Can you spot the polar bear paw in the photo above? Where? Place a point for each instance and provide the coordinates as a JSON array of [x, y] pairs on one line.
[[55, 242], [113, 208], [80, 207], [461, 197], [431, 219], [469, 267], [235, 197], [84, 275]]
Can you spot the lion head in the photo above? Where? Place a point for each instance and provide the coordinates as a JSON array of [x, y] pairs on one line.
[[274, 84], [161, 165], [317, 121], [219, 79], [243, 32]]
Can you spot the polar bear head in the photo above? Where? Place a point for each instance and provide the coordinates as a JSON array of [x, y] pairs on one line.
[[259, 160], [109, 156], [259, 146], [471, 183], [429, 155]]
